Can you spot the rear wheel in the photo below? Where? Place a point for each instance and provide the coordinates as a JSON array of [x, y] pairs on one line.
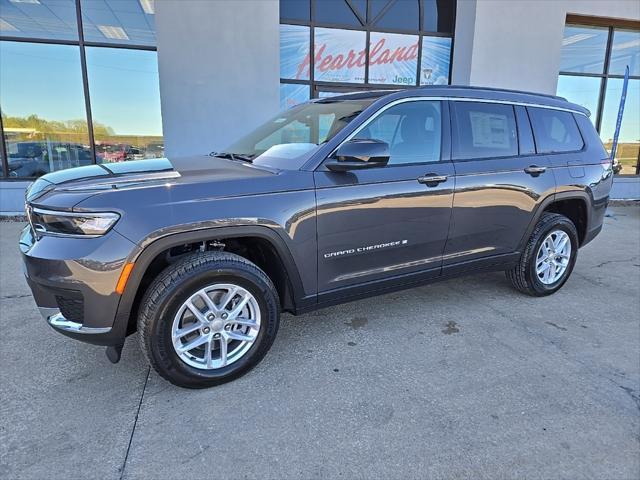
[[549, 257], [208, 319]]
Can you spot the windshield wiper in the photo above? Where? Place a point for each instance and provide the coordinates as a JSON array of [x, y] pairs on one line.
[[233, 156]]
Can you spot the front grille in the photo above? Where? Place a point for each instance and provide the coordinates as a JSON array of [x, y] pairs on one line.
[[71, 308]]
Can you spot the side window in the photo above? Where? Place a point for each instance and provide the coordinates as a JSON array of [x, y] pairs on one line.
[[413, 131], [484, 130], [554, 130]]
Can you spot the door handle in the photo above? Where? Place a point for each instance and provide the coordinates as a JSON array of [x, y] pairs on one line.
[[431, 179], [535, 170]]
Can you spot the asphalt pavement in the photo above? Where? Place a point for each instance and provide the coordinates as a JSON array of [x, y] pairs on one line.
[[460, 379]]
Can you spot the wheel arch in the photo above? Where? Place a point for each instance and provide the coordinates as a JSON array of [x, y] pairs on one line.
[[574, 205], [288, 282]]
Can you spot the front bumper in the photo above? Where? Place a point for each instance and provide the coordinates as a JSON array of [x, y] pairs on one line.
[[55, 319], [73, 283]]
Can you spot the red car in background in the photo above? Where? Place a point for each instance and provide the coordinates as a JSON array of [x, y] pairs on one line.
[[118, 152]]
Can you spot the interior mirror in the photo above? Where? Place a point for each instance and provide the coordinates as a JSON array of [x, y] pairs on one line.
[[358, 154]]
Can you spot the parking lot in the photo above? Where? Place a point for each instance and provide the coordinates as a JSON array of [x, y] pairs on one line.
[[460, 379]]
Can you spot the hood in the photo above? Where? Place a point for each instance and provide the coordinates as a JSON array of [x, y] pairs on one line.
[[67, 188]]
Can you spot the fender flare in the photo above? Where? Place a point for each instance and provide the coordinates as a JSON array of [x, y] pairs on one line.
[[555, 197], [143, 259]]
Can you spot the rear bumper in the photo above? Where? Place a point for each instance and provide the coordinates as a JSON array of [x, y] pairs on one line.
[[73, 284]]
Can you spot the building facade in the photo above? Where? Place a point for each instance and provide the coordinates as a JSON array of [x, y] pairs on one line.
[[93, 81]]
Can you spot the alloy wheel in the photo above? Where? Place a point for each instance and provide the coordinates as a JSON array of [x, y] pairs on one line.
[[553, 257], [216, 326]]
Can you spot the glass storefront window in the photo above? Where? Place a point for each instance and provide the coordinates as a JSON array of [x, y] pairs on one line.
[[435, 61], [39, 19], [295, 61], [130, 22], [625, 50], [401, 15], [583, 49], [629, 139], [125, 104], [336, 12], [437, 16], [339, 55], [291, 94], [295, 10], [393, 58], [360, 56], [582, 91], [43, 114]]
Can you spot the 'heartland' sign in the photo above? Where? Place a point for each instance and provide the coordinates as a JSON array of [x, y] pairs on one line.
[[379, 55]]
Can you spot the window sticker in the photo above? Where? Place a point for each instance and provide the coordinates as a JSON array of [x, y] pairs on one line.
[[490, 130]]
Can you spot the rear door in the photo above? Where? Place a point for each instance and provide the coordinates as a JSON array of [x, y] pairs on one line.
[[389, 221], [499, 180]]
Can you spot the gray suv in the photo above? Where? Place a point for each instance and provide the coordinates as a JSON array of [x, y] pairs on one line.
[[333, 200]]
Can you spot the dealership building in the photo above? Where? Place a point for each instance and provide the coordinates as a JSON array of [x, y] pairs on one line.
[[92, 81]]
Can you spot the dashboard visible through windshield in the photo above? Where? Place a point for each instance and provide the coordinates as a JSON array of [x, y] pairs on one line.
[[290, 138]]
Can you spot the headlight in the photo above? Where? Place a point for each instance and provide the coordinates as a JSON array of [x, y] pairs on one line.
[[67, 223]]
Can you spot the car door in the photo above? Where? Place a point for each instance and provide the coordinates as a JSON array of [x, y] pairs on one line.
[[500, 181], [391, 221]]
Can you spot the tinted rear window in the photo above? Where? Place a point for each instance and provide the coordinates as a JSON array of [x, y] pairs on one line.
[[555, 131], [484, 130]]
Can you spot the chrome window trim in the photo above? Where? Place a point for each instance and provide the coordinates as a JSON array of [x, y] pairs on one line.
[[451, 99]]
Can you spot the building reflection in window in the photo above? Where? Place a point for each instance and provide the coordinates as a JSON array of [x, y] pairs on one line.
[[43, 109], [125, 104]]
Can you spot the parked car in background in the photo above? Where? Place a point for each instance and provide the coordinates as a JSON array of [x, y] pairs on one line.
[[330, 201], [154, 150], [33, 159], [118, 152]]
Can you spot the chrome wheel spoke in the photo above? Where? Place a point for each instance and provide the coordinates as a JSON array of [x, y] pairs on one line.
[[245, 322], [543, 268], [246, 296], [561, 243], [223, 350], [227, 298], [237, 335], [184, 331], [202, 295], [207, 354], [195, 311], [196, 342]]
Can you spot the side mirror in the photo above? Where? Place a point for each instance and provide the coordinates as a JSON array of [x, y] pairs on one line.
[[358, 154]]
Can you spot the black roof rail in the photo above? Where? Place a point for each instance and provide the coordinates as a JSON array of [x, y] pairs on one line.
[[491, 89]]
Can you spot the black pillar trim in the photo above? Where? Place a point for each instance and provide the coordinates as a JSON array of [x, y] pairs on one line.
[[3, 150], [85, 80]]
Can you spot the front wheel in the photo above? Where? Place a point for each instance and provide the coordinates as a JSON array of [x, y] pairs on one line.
[[549, 257], [208, 319]]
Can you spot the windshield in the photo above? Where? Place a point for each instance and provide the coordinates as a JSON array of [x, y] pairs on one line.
[[290, 138]]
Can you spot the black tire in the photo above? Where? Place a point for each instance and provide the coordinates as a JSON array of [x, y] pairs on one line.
[[173, 287], [523, 276]]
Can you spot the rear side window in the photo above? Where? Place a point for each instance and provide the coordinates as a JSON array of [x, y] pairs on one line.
[[555, 131], [484, 130]]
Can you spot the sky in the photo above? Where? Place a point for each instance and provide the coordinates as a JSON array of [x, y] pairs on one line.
[[46, 80]]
